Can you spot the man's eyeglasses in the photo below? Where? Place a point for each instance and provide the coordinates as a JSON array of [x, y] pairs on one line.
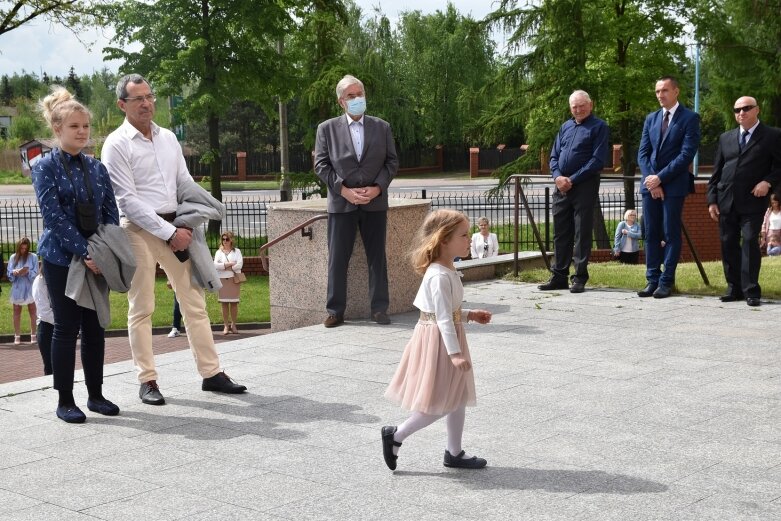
[[737, 110], [151, 98]]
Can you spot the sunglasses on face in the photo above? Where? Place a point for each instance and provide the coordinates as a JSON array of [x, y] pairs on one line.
[[737, 110], [226, 239]]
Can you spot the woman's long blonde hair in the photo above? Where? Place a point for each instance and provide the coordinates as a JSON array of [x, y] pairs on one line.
[[57, 106], [438, 227]]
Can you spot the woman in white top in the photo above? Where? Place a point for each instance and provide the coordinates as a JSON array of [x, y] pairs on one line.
[[45, 325], [484, 243], [228, 262], [770, 237]]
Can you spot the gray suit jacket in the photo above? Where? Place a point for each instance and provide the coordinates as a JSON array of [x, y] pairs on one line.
[[337, 164]]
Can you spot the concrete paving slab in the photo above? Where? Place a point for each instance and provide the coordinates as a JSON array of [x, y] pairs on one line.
[[680, 421]]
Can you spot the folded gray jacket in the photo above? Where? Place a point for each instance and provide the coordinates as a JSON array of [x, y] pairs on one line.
[[196, 207], [110, 249]]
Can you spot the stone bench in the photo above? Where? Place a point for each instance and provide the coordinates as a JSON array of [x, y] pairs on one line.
[[493, 267]]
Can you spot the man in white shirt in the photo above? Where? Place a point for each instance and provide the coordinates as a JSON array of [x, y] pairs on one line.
[[146, 166]]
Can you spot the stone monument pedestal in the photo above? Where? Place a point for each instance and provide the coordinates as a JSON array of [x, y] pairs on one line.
[[298, 267]]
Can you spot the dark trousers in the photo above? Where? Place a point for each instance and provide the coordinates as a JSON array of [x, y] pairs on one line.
[[44, 335], [69, 318], [662, 222], [741, 261], [177, 315], [341, 237], [573, 220]]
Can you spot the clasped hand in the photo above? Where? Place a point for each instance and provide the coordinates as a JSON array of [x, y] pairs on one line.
[[360, 195], [181, 239]]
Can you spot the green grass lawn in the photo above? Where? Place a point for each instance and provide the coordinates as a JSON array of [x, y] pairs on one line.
[[688, 279], [254, 306]]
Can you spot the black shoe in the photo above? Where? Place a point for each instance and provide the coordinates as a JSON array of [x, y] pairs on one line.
[[553, 283], [662, 292], [458, 462], [333, 320], [222, 383], [753, 302], [387, 446], [150, 394], [70, 414], [647, 291], [730, 298], [102, 406], [577, 287], [381, 318]]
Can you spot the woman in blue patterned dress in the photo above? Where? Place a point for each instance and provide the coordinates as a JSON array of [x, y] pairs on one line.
[[22, 269]]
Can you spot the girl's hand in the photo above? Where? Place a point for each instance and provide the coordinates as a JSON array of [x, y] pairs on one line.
[[480, 316], [92, 266], [461, 363]]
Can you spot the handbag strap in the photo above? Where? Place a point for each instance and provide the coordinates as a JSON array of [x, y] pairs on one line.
[[87, 182]]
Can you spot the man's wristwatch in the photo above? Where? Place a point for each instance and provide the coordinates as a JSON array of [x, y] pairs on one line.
[[171, 238]]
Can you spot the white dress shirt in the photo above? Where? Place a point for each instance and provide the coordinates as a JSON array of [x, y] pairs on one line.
[[220, 258], [145, 174], [356, 134], [43, 305]]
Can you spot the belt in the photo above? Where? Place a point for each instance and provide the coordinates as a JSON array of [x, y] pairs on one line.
[[167, 216], [425, 316]]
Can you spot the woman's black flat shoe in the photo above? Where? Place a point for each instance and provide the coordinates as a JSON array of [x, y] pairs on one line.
[[460, 463], [70, 414], [387, 446]]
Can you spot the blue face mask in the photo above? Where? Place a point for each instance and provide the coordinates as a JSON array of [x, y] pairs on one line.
[[356, 106]]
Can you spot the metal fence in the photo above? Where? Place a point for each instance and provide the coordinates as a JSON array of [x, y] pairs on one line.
[[246, 216]]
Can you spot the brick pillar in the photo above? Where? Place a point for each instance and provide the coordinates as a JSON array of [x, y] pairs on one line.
[[544, 161], [474, 162], [616, 157], [241, 165], [703, 230]]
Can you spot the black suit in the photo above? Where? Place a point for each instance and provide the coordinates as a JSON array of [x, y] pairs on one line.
[[735, 174]]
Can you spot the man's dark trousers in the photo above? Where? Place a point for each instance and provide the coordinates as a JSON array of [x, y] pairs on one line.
[[341, 238], [573, 220], [741, 262]]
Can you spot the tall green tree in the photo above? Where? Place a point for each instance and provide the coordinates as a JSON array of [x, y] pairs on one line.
[[613, 49], [71, 14], [221, 50], [742, 53]]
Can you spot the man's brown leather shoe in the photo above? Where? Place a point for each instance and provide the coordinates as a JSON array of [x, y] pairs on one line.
[[381, 318], [333, 321]]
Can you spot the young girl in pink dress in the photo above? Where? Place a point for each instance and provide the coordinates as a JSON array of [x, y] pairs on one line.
[[435, 378]]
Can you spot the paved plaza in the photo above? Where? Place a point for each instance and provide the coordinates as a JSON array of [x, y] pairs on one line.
[[597, 406]]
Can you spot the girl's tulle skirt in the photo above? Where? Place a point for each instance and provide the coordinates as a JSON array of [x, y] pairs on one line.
[[426, 380]]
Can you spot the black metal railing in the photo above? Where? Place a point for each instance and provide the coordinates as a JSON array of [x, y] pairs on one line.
[[246, 215]]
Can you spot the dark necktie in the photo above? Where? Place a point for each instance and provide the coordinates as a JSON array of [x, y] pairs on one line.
[[665, 122], [743, 138]]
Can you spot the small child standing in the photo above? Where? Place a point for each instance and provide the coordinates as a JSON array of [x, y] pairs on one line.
[[45, 320], [435, 378]]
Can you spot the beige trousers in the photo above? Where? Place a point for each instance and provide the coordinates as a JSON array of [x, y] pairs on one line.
[[149, 251]]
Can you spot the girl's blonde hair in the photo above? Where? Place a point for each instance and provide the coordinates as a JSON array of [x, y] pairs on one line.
[[58, 106], [438, 227]]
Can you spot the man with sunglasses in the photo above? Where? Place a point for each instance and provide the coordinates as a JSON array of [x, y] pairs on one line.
[[747, 167], [671, 136], [147, 169]]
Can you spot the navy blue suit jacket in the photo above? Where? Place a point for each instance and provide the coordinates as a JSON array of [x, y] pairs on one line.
[[669, 158]]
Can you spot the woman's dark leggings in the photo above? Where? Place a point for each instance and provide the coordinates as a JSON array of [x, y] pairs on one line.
[[69, 318]]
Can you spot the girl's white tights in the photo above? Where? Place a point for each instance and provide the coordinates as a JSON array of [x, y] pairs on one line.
[[419, 420]]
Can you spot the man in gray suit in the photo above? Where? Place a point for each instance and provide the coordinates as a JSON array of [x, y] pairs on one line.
[[356, 158]]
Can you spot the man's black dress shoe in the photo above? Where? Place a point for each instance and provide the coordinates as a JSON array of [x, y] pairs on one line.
[[662, 292], [387, 446], [554, 283], [647, 291], [102, 406], [381, 318], [753, 302], [70, 414], [458, 462], [222, 383], [730, 298], [150, 394], [577, 287]]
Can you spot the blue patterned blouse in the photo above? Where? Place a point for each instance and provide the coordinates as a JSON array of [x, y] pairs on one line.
[[61, 239]]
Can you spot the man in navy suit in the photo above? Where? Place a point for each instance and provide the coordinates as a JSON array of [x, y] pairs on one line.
[[668, 145], [356, 157], [746, 168]]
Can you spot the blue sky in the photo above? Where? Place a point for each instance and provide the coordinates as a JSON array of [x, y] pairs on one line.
[[40, 47]]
